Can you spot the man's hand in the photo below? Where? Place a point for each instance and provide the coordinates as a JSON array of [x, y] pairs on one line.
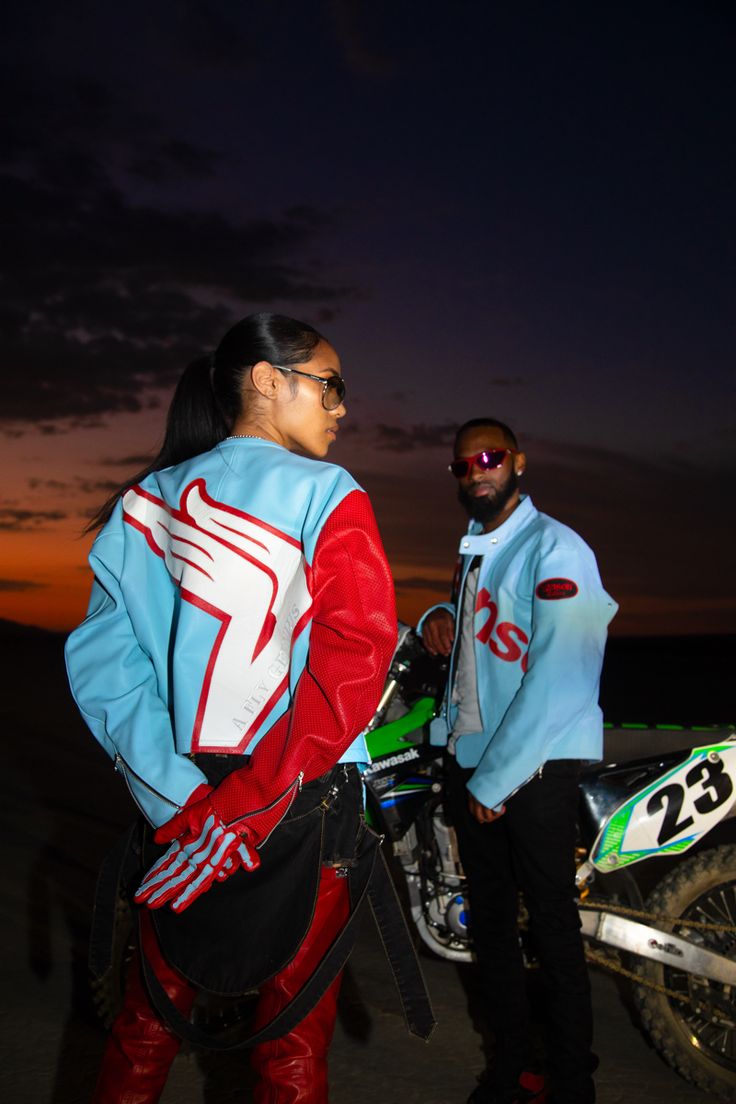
[[438, 632], [482, 813]]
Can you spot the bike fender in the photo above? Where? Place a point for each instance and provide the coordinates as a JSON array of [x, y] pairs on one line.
[[672, 813]]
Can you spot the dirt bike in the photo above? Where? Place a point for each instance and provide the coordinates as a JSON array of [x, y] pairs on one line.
[[666, 918]]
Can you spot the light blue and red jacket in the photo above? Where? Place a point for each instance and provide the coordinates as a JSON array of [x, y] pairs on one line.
[[540, 624], [242, 604]]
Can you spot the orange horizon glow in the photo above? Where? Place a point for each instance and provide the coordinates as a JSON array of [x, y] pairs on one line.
[[57, 600], [54, 482]]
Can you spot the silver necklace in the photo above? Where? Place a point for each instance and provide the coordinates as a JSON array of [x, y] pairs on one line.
[[235, 436]]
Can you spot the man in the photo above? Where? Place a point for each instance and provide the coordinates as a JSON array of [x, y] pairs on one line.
[[526, 636]]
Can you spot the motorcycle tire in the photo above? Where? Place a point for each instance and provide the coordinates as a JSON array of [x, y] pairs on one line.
[[697, 1039]]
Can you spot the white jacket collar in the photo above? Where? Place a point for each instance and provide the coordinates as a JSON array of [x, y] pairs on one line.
[[477, 543]]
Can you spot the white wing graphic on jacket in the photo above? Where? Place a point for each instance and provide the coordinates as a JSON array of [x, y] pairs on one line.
[[249, 576]]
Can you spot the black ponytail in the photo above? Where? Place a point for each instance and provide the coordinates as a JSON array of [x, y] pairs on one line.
[[195, 423], [208, 398]]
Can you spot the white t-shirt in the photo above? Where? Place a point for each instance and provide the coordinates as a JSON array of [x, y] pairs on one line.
[[465, 689]]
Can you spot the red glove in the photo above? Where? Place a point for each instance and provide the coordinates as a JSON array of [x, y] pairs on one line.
[[203, 850]]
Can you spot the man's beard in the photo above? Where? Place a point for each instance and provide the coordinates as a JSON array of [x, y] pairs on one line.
[[485, 508]]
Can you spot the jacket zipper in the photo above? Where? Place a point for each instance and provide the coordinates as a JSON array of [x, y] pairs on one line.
[[456, 644], [536, 774], [295, 788], [461, 597], [123, 768]]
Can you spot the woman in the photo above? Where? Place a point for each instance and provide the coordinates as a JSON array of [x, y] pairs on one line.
[[242, 613]]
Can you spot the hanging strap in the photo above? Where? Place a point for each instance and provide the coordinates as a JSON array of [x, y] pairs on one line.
[[399, 948], [112, 879]]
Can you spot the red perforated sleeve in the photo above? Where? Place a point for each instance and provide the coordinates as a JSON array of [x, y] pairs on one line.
[[352, 639]]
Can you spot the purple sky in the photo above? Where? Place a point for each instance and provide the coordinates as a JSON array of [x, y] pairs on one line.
[[520, 210]]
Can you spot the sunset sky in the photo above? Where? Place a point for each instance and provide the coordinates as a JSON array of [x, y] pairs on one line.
[[520, 210]]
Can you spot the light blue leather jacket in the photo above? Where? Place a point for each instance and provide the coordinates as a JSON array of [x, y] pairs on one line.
[[207, 591], [540, 624]]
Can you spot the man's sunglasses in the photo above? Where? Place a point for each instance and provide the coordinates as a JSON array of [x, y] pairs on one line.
[[333, 387], [485, 461]]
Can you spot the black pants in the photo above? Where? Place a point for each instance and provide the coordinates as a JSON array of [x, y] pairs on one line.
[[531, 847]]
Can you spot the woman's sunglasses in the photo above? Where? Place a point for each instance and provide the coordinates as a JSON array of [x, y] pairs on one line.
[[333, 387], [485, 461]]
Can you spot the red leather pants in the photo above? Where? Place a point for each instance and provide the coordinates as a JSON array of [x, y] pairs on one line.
[[291, 1070], [294, 1068]]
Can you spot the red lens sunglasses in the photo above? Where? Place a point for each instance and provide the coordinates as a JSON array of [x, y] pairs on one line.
[[485, 461]]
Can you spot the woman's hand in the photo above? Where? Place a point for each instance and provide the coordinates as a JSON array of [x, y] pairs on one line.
[[203, 850]]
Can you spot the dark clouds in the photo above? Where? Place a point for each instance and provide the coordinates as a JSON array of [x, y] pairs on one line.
[[128, 463], [16, 520], [658, 528], [105, 297], [543, 203], [551, 163], [173, 158], [407, 438], [398, 437], [75, 486], [105, 301]]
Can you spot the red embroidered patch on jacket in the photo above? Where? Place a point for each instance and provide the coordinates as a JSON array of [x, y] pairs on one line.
[[553, 589]]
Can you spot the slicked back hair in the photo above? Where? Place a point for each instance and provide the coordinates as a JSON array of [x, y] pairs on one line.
[[207, 400]]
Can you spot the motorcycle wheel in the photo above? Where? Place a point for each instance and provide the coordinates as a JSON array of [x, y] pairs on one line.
[[698, 1039]]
